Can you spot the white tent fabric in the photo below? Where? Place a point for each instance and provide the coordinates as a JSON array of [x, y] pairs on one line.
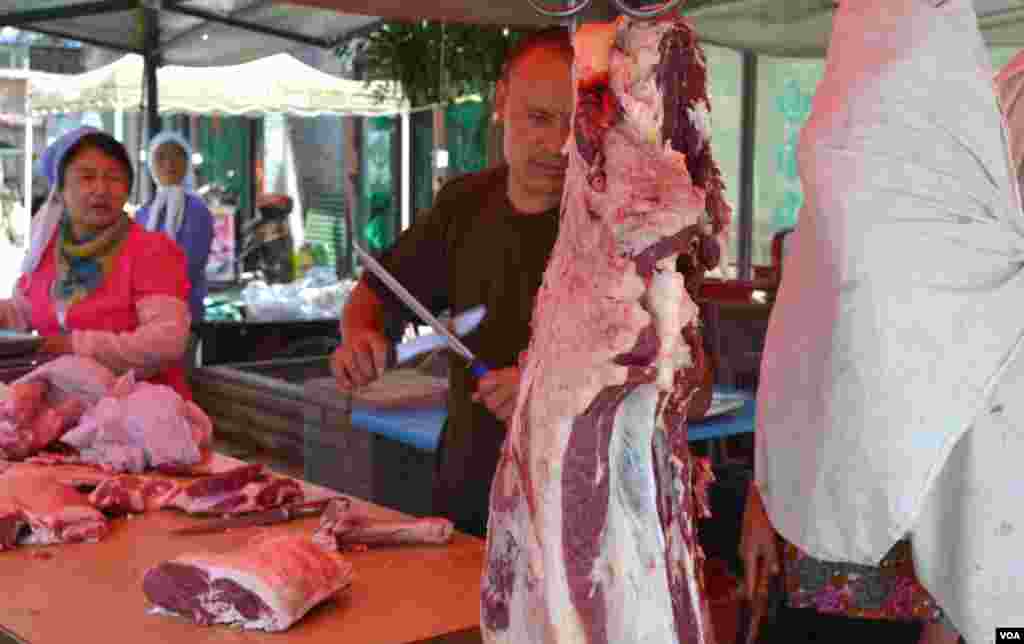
[[801, 28], [278, 83], [796, 28]]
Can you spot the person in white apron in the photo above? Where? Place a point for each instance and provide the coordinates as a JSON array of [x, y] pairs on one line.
[[892, 388]]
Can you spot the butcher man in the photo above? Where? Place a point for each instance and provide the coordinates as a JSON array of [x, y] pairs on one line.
[[486, 240]]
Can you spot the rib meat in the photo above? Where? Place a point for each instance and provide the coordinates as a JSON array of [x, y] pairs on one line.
[[345, 523], [270, 584], [37, 508], [247, 488], [592, 532]]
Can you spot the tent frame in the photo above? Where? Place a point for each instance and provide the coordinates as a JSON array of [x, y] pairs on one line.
[[30, 19]]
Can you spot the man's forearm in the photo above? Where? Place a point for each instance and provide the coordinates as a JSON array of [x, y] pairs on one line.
[[364, 310]]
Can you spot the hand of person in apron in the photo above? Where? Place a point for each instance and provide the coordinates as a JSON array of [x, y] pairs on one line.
[[759, 549]]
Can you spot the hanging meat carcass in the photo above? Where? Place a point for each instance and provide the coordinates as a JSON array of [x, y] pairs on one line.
[[592, 532]]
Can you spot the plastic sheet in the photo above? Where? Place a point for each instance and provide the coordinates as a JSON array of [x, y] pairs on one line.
[[318, 295]]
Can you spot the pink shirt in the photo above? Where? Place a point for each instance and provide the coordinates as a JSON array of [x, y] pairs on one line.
[[148, 277]]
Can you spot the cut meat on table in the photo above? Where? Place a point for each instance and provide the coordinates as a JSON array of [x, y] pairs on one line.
[[36, 508], [345, 523], [136, 427], [270, 584], [592, 534], [247, 488], [47, 402]]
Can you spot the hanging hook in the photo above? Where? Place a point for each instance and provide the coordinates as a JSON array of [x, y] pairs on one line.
[[559, 13], [644, 14]]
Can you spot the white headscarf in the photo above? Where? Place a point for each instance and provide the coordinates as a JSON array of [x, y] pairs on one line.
[[46, 221], [167, 211]]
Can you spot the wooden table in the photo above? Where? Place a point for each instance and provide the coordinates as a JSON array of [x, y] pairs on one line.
[[83, 592]]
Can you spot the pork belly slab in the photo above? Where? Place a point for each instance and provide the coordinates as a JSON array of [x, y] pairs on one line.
[[269, 584], [592, 534]]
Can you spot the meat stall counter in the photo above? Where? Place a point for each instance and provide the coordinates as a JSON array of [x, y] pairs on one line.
[[398, 594], [291, 409]]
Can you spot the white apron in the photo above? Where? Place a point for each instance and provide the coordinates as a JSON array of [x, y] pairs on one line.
[[902, 302]]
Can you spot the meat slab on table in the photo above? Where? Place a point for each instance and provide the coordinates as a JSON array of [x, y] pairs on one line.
[[592, 533], [37, 508], [346, 523], [40, 407], [243, 489], [135, 427], [269, 584]]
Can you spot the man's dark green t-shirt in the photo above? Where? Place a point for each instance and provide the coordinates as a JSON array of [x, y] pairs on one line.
[[472, 247]]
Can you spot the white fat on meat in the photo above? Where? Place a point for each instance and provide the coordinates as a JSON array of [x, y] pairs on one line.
[[268, 584], [141, 426]]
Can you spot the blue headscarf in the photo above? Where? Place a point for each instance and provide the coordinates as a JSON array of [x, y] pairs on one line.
[[47, 220]]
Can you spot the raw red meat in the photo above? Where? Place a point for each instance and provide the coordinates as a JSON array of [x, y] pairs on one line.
[[346, 523], [36, 507], [592, 532], [268, 585], [248, 488], [137, 427], [44, 404]]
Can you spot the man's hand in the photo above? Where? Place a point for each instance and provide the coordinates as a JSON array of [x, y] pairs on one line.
[[499, 391], [360, 360], [56, 345]]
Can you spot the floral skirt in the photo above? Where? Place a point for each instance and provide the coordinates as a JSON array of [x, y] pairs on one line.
[[890, 591]]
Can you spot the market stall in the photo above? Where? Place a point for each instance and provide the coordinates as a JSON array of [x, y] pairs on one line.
[[64, 591]]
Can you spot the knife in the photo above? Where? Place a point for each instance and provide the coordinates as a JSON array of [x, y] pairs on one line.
[[478, 368], [464, 323], [266, 517]]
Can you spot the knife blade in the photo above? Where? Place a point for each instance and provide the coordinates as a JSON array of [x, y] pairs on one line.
[[265, 517], [478, 368], [464, 323]]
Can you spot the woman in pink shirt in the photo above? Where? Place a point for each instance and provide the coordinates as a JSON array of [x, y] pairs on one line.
[[94, 282]]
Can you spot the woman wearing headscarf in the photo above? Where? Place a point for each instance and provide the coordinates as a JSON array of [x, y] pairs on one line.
[[95, 283], [890, 410], [178, 212]]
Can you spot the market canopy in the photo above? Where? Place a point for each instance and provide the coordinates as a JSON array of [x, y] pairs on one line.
[[278, 83], [207, 33], [773, 27], [187, 32]]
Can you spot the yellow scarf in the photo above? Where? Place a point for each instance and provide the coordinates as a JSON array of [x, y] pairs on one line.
[[82, 264]]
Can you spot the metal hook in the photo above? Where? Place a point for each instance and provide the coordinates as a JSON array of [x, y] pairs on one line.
[[559, 13], [644, 14]]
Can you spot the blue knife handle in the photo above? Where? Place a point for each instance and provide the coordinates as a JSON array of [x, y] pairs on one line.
[[478, 369]]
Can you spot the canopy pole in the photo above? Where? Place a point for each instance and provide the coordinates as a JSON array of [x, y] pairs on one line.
[[405, 170], [29, 170], [748, 149], [151, 62]]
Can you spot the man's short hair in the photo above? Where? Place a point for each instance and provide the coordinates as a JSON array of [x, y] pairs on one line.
[[554, 38]]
